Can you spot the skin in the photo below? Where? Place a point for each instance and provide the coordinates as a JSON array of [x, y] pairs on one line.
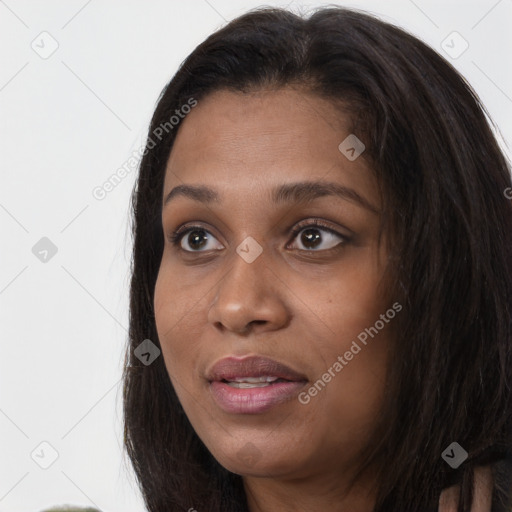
[[302, 306], [483, 484]]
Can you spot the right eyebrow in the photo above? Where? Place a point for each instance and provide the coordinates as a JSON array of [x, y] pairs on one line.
[[286, 193]]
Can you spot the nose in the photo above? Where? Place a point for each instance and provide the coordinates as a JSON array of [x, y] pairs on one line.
[[249, 297]]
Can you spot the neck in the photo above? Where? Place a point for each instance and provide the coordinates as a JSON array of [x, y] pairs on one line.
[[308, 494]]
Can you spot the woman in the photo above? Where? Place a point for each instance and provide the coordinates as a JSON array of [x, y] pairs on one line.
[[321, 257]]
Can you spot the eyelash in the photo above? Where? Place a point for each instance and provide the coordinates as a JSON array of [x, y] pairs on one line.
[[176, 236]]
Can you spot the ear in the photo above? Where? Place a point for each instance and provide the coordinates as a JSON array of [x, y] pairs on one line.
[[482, 495]]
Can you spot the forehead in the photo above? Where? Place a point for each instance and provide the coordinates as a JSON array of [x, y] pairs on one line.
[[264, 138]]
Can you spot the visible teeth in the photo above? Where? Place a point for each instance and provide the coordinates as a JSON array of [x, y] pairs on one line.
[[251, 382], [245, 385], [254, 380]]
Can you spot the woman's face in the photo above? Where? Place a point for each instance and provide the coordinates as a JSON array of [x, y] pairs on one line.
[[241, 298]]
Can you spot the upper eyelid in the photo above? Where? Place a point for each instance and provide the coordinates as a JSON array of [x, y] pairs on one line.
[[297, 228]]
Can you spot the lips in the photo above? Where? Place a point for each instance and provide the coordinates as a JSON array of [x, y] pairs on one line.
[[234, 369], [252, 385]]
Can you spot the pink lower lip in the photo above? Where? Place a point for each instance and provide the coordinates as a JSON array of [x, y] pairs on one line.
[[253, 400]]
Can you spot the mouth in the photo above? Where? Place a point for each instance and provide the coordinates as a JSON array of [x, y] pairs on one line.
[[252, 385], [253, 382]]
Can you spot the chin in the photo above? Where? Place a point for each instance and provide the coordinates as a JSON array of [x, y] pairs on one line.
[[253, 460]]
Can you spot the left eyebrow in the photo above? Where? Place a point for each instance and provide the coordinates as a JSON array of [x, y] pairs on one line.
[[286, 193], [309, 190]]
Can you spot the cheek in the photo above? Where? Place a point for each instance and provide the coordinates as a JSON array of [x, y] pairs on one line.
[[180, 317], [354, 331], [178, 321], [343, 301]]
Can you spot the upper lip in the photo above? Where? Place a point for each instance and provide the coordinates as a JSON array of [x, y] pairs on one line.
[[253, 366]]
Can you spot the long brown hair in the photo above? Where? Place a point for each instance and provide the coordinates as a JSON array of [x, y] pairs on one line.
[[442, 177]]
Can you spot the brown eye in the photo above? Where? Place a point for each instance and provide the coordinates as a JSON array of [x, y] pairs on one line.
[[318, 237], [197, 238]]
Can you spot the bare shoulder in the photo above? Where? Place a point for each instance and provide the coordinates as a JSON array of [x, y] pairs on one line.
[[482, 502]]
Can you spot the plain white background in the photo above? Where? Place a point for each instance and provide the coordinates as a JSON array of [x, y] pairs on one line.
[[69, 120]]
